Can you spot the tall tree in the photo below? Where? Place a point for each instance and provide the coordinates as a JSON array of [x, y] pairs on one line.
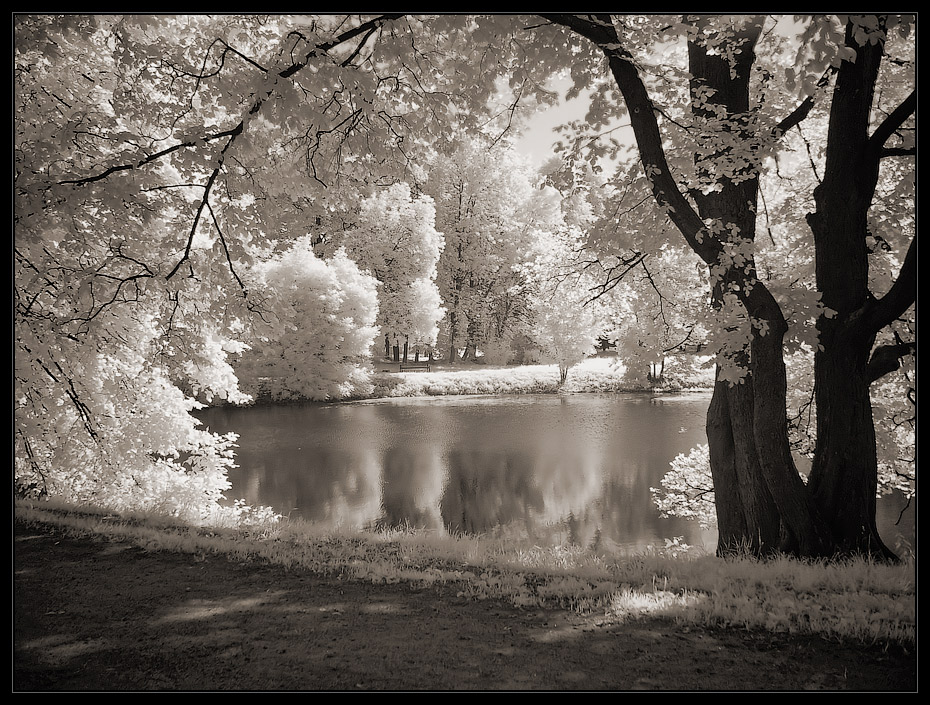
[[490, 213], [865, 128], [394, 236], [761, 500]]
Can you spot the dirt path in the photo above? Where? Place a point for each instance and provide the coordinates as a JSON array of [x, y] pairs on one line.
[[106, 616]]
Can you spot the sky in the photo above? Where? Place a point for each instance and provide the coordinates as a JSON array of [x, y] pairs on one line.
[[538, 138]]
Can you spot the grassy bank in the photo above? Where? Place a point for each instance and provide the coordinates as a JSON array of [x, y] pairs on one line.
[[596, 374], [858, 601], [593, 375]]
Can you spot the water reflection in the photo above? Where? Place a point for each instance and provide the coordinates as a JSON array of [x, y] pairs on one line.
[[551, 469], [413, 484]]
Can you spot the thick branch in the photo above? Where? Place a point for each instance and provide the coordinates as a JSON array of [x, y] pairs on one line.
[[900, 297], [153, 157], [887, 358], [898, 152], [803, 110], [890, 124], [646, 129]]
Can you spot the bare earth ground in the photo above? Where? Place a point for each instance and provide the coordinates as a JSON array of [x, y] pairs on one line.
[[97, 615]]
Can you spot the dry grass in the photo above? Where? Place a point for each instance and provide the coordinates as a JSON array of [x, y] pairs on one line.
[[854, 600]]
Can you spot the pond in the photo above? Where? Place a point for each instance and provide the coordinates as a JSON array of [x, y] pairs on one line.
[[552, 469]]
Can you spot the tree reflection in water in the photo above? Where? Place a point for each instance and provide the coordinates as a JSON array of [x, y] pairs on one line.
[[548, 468]]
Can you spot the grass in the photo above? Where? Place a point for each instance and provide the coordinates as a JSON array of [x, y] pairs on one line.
[[855, 600], [596, 374]]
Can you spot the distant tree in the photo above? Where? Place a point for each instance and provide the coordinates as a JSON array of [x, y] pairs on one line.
[[318, 344], [659, 310], [490, 213], [567, 319], [394, 237], [565, 332]]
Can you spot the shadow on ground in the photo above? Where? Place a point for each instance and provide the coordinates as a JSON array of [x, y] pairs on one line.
[[91, 614]]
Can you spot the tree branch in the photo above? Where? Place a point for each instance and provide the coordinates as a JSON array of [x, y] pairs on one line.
[[887, 358], [229, 261], [803, 110], [155, 156], [898, 152], [902, 294], [642, 111], [890, 124], [203, 204], [365, 27]]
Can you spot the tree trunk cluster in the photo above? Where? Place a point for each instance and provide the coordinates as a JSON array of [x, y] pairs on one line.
[[763, 505]]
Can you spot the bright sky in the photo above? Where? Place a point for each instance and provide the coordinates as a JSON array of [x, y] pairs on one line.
[[539, 137]]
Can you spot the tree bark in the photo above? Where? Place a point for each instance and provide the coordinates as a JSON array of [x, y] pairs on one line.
[[778, 512], [732, 526], [845, 469]]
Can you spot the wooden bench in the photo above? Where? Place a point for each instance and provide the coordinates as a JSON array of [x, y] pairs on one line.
[[408, 366]]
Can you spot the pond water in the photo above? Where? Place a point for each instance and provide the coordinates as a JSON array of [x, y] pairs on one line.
[[553, 469]]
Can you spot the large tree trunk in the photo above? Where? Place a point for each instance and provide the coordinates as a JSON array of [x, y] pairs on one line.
[[747, 519], [844, 472], [844, 475], [803, 530], [732, 526], [778, 513], [747, 424]]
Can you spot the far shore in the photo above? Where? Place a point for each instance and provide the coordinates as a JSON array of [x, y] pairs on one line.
[[596, 374]]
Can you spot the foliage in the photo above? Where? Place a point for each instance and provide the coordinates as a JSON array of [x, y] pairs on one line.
[[157, 159], [491, 216], [318, 345], [395, 239], [688, 489], [566, 332], [566, 321]]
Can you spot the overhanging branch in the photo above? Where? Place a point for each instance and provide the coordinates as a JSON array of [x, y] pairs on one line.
[[366, 28]]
